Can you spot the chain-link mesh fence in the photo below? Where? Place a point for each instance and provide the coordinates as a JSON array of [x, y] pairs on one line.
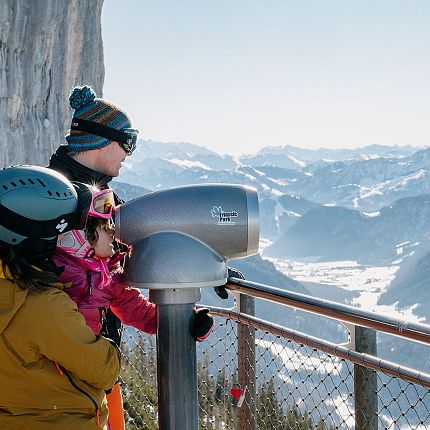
[[296, 387], [139, 380]]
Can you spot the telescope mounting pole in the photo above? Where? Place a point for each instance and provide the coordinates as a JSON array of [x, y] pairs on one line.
[[176, 358]]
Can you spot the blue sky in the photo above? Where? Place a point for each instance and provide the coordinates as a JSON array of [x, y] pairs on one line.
[[235, 76]]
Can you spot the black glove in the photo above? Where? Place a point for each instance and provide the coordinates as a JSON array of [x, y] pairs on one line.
[[203, 324], [232, 273]]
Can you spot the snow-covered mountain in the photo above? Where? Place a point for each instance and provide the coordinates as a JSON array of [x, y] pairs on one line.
[[291, 157], [410, 288], [336, 233], [366, 179], [155, 164], [367, 184]]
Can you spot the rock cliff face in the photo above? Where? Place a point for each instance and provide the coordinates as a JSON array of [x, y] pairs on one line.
[[46, 48]]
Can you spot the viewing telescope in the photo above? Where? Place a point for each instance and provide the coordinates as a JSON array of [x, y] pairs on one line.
[[181, 239]]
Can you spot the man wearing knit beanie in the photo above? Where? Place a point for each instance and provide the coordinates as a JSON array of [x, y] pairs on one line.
[[99, 140], [100, 135]]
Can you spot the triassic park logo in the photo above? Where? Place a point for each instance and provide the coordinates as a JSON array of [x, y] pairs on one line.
[[224, 217]]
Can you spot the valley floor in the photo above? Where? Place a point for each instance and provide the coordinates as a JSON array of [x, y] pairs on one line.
[[346, 282]]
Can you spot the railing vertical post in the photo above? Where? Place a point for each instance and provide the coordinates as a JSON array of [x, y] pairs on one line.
[[365, 382], [246, 366]]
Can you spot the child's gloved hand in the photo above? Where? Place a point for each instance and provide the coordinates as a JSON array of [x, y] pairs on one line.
[[203, 324]]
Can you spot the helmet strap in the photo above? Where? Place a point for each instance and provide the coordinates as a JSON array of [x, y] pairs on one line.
[[27, 227]]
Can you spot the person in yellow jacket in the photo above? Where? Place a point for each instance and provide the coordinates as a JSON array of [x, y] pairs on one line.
[[53, 370]]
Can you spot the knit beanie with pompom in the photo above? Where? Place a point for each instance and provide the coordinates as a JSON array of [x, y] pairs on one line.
[[88, 107]]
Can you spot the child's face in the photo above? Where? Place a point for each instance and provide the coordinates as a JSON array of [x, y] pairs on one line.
[[104, 247]]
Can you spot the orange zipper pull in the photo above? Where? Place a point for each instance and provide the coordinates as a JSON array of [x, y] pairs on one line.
[[58, 368]]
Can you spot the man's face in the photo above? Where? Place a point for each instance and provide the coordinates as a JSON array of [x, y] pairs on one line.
[[110, 159]]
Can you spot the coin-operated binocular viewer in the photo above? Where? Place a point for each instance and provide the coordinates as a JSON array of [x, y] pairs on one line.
[[181, 239]]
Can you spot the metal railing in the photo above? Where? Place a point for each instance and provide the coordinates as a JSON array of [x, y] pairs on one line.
[[353, 315], [254, 374]]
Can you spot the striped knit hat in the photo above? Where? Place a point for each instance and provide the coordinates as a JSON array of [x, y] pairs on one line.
[[87, 106]]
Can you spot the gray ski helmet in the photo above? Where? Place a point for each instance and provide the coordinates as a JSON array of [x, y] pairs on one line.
[[35, 202]]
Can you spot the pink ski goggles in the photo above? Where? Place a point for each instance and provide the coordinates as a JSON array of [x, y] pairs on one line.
[[102, 204], [92, 202]]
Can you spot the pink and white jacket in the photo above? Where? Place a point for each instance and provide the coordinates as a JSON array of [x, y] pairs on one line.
[[94, 289]]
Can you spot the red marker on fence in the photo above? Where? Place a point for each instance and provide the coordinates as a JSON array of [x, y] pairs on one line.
[[239, 394], [236, 391]]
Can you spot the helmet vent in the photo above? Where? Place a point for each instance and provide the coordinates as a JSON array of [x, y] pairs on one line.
[[31, 181], [13, 184], [57, 193], [4, 187], [41, 183], [22, 182], [50, 193]]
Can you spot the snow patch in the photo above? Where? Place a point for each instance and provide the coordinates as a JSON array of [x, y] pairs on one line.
[[259, 172], [264, 243], [247, 175], [371, 214], [406, 179], [277, 193], [297, 161], [366, 192], [370, 156], [293, 214], [293, 359], [188, 163], [278, 181]]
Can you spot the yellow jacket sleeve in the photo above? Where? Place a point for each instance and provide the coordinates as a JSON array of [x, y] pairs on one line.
[[60, 333]]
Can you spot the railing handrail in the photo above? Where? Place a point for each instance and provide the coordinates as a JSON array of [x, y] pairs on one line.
[[411, 330], [340, 351]]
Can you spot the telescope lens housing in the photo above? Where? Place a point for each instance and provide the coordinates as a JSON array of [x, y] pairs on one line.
[[222, 216]]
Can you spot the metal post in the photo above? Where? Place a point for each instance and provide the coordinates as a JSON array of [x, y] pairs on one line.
[[365, 383], [246, 366], [176, 360]]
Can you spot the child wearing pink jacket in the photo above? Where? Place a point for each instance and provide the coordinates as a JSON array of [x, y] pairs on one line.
[[95, 285]]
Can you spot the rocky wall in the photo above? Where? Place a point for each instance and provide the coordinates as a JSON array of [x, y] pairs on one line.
[[46, 48]]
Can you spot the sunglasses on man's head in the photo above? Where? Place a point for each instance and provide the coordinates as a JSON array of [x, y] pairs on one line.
[[126, 138]]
